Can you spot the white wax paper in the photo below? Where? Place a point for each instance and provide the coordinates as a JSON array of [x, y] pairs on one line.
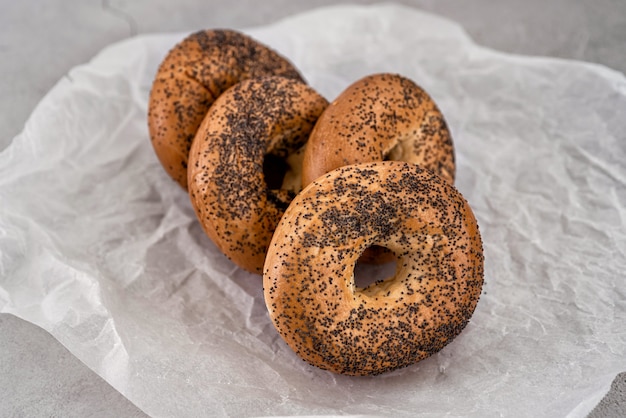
[[99, 247]]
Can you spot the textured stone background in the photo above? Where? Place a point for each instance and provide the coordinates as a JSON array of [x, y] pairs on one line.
[[41, 40]]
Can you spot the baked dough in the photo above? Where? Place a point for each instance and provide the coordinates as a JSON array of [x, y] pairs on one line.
[[191, 77], [380, 117], [248, 133], [308, 277]]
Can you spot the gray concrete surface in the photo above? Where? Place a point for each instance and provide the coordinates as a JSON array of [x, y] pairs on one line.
[[614, 403], [41, 40], [39, 377]]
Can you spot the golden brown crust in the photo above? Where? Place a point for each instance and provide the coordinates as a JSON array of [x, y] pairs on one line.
[[380, 117], [308, 277], [193, 74], [256, 123]]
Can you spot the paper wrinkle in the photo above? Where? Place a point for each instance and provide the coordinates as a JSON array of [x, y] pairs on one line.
[[99, 247]]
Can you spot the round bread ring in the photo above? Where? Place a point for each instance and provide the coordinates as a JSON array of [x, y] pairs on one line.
[[380, 117], [250, 130], [192, 75], [308, 277]]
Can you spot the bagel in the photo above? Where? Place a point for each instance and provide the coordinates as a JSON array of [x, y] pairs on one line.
[[191, 77], [380, 117], [308, 276], [238, 158]]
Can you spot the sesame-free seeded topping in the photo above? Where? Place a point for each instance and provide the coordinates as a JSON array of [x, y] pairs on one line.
[[308, 276], [380, 117], [191, 77], [249, 132]]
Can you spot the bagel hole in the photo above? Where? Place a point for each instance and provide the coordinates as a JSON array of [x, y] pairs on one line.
[[367, 273], [274, 170], [398, 151]]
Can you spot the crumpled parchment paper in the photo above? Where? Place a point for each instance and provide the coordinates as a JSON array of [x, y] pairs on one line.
[[99, 247]]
